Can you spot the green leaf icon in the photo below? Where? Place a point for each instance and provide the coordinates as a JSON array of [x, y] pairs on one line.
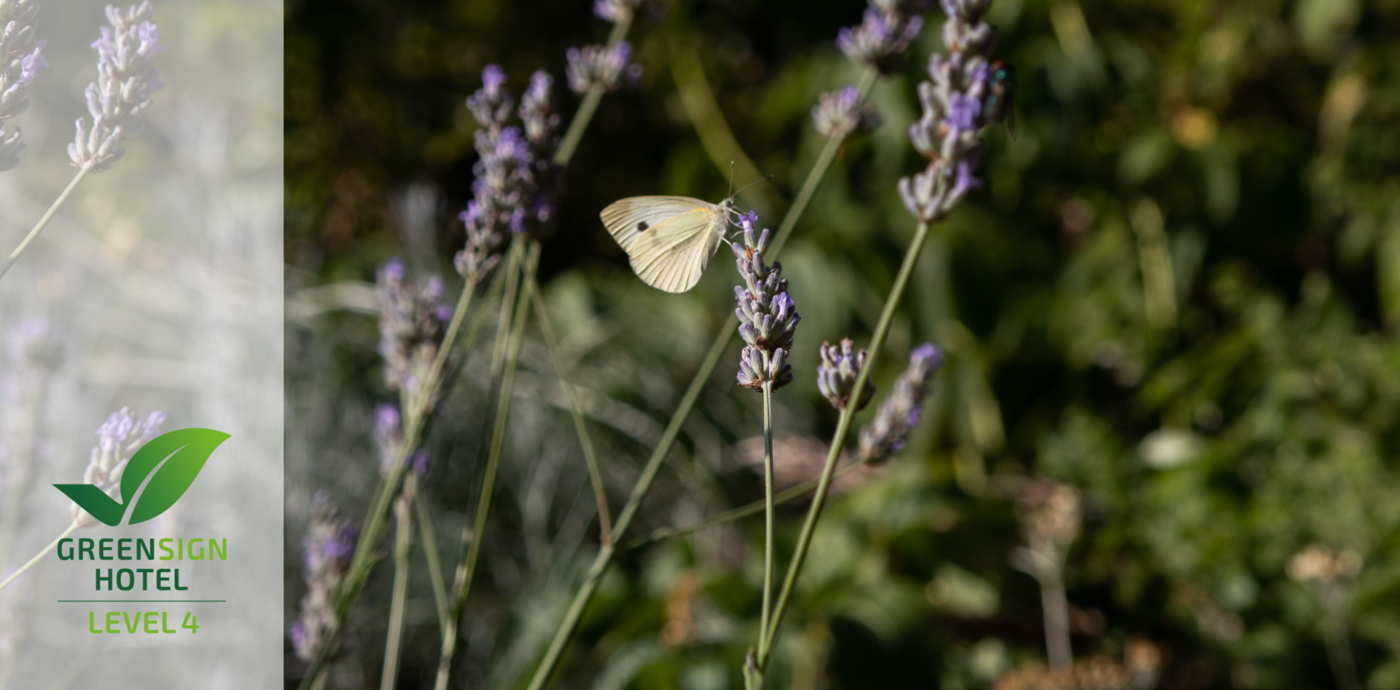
[[183, 453]]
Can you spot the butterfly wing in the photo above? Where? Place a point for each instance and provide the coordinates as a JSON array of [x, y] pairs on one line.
[[673, 254], [632, 217]]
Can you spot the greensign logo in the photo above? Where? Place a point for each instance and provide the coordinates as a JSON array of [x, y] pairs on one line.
[[166, 466]]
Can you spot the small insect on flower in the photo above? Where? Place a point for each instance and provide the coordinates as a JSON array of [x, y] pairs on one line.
[[1001, 96], [669, 239]]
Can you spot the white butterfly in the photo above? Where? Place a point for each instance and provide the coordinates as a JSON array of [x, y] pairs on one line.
[[669, 239]]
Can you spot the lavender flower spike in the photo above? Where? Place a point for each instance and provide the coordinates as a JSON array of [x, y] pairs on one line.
[[411, 322], [885, 32], [899, 413], [957, 102], [837, 374], [117, 440], [126, 78], [602, 68], [515, 176], [329, 546], [21, 57], [840, 113], [616, 10], [767, 315]]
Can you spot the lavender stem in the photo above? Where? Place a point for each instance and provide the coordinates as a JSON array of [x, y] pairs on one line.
[[590, 457], [38, 557], [430, 551], [668, 437], [403, 541], [44, 220], [838, 440], [579, 124], [466, 570]]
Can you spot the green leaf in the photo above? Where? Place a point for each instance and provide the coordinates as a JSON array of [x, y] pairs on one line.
[[184, 453], [95, 502]]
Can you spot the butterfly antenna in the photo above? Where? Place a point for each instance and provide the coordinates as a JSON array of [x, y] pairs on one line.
[[741, 189], [731, 179]]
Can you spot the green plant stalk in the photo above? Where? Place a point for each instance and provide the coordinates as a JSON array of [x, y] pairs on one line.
[[39, 556], [838, 440], [363, 560], [782, 497], [585, 111], [768, 548], [498, 353], [44, 220], [601, 562], [430, 552], [590, 458], [466, 570], [403, 543]]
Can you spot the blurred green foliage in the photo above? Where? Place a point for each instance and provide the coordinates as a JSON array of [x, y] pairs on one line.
[[1179, 292]]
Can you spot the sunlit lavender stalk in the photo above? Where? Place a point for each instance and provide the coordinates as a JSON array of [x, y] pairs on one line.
[[21, 57], [768, 320], [126, 78], [955, 110]]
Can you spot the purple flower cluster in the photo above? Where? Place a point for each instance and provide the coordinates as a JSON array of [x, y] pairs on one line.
[[329, 547], [602, 68], [411, 319], [955, 109], [840, 113], [837, 373], [117, 440], [885, 32], [126, 78], [616, 10], [388, 436], [767, 315], [899, 412], [21, 57], [515, 176]]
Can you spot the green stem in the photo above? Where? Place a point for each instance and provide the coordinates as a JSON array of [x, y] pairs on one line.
[[768, 512], [39, 556], [668, 437], [814, 178], [838, 440], [403, 542], [755, 675], [430, 552], [466, 570], [782, 497], [584, 115], [590, 458], [44, 220], [363, 560], [498, 353]]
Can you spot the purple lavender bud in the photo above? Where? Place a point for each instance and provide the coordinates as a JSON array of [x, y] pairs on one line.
[[837, 374], [126, 78], [615, 10], [328, 549], [410, 326], [767, 315], [840, 113], [21, 57], [899, 412], [601, 68], [957, 101], [118, 439], [885, 32], [491, 104]]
